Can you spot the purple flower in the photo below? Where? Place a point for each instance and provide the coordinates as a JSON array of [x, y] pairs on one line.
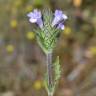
[[59, 16], [61, 26], [36, 17]]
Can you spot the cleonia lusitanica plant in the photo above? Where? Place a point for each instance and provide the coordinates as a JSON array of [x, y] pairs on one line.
[[49, 25]]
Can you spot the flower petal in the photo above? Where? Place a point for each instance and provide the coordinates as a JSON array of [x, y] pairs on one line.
[[58, 13], [61, 26], [33, 20], [40, 23], [64, 17], [30, 14]]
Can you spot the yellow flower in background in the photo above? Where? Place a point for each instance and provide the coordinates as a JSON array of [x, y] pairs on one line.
[[77, 3], [30, 35], [13, 23], [9, 48], [93, 50], [37, 84], [29, 8], [67, 31]]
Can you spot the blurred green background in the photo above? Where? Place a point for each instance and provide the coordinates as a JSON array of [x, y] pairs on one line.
[[22, 62]]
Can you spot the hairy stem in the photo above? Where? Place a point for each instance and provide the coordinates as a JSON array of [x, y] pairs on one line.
[[50, 94], [49, 69]]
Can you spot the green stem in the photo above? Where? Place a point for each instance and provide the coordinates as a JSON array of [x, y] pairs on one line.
[[49, 70], [50, 94]]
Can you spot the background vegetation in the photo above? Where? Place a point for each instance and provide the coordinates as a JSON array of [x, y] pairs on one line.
[[22, 62]]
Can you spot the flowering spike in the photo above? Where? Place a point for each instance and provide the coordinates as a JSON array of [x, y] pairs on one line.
[[50, 27]]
